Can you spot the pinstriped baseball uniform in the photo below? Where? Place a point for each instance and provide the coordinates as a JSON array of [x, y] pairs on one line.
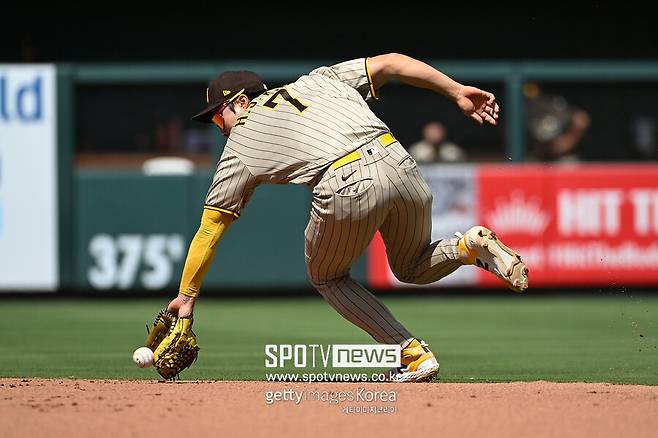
[[319, 131]]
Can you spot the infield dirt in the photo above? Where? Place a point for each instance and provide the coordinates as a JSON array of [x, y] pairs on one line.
[[125, 408]]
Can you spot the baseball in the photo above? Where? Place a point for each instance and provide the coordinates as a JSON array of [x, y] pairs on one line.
[[143, 357]]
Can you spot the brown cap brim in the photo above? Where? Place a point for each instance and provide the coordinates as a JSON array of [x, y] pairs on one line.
[[205, 116]]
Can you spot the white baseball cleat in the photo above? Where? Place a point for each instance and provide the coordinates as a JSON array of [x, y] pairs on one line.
[[479, 246], [418, 364]]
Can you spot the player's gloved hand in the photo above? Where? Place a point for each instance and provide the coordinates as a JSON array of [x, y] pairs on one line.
[[178, 350], [161, 326]]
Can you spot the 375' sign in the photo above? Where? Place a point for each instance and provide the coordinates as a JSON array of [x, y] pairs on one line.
[[130, 260]]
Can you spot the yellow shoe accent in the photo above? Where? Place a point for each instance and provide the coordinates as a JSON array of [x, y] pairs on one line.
[[413, 351], [465, 253], [413, 366], [418, 364], [490, 254]]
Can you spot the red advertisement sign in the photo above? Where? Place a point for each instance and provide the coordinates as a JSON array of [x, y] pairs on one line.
[[575, 225], [589, 225]]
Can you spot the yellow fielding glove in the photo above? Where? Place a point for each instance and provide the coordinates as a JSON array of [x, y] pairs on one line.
[[161, 326], [178, 350]]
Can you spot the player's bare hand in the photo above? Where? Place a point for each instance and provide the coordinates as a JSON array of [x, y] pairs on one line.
[[182, 305], [478, 105]]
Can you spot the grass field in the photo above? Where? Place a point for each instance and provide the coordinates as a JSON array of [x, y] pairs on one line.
[[589, 339]]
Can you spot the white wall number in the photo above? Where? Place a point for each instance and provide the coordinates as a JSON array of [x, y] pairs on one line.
[[118, 260]]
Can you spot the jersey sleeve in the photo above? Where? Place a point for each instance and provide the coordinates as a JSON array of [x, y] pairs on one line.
[[232, 185], [353, 73]]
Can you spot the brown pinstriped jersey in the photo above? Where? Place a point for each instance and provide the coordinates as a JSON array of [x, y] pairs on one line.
[[291, 134]]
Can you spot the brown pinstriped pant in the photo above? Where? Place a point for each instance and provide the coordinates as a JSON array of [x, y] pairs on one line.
[[384, 191]]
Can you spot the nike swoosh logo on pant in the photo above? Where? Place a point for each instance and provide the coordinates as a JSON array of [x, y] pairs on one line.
[[345, 177]]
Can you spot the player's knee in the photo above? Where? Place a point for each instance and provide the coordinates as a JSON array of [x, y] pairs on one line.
[[323, 284], [426, 198], [318, 281], [325, 288], [410, 277], [320, 278], [313, 276], [404, 275], [317, 284]]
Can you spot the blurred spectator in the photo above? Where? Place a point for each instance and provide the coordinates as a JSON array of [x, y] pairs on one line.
[[555, 128], [435, 146], [169, 135], [643, 134], [200, 140]]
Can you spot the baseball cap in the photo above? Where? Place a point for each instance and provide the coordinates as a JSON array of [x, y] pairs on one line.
[[226, 87]]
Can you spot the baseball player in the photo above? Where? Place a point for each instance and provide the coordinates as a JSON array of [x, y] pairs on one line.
[[319, 131]]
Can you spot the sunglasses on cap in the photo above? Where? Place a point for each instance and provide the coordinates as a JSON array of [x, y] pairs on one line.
[[217, 117]]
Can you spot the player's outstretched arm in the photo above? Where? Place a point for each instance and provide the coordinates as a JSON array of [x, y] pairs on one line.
[[199, 257], [171, 338], [476, 104]]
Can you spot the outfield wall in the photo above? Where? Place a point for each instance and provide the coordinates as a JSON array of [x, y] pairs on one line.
[[63, 227], [132, 232], [584, 225], [575, 225]]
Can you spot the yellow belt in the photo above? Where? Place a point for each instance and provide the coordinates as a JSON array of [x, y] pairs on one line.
[[385, 139]]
